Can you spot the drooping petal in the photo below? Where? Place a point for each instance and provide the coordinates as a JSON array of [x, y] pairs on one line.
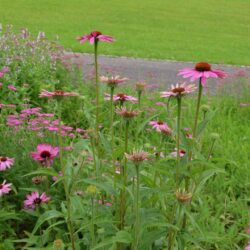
[[105, 38], [92, 40]]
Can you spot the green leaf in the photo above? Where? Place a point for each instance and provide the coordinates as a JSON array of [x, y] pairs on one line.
[[123, 237], [204, 123], [43, 171], [206, 175], [52, 214]]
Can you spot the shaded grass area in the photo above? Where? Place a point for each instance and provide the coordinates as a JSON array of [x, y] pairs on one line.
[[215, 31]]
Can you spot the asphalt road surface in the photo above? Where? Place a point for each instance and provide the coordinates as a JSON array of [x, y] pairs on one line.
[[161, 73]]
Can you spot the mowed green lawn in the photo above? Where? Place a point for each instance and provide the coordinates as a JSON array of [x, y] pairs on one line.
[[217, 31]]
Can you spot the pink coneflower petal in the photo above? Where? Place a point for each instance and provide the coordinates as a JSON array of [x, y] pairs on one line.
[[5, 163], [125, 113], [247, 247], [5, 188], [105, 38], [12, 87], [56, 93]]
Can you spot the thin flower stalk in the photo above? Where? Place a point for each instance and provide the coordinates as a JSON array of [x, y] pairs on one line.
[[214, 137], [67, 194], [194, 130], [112, 88], [97, 94], [178, 142], [137, 157], [92, 222], [137, 209], [124, 177]]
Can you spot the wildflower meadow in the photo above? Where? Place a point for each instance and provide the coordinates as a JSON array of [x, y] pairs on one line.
[[111, 163]]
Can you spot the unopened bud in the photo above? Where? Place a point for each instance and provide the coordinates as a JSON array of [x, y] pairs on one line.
[[215, 136], [205, 108], [92, 189]]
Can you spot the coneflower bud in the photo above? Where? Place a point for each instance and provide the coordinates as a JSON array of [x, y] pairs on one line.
[[92, 190], [38, 179], [140, 86], [215, 136], [58, 244], [183, 196], [205, 108]]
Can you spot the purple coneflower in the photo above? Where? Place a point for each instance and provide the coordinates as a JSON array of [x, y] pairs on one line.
[[4, 71], [179, 90], [248, 246], [5, 162], [181, 153], [95, 36], [12, 87], [137, 156], [34, 199], [56, 93], [113, 81], [45, 154], [202, 70], [126, 113], [5, 188], [159, 125], [121, 97], [31, 111]]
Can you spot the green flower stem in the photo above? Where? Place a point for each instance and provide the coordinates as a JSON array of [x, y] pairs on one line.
[[139, 98], [92, 222], [187, 179], [137, 207], [126, 151], [197, 109], [97, 96], [94, 156], [211, 149], [124, 176], [194, 132], [178, 142], [112, 132], [171, 236], [67, 194]]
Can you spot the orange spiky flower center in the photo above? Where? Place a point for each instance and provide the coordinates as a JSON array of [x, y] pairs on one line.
[[202, 66]]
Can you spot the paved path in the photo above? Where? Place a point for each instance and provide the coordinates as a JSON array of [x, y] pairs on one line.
[[160, 72]]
